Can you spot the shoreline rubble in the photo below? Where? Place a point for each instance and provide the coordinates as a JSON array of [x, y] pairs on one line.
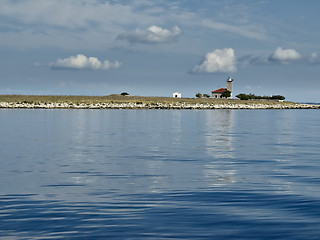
[[158, 105]]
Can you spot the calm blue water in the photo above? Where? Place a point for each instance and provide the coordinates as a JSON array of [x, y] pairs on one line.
[[159, 174]]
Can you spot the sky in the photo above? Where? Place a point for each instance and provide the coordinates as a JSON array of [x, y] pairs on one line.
[[154, 48]]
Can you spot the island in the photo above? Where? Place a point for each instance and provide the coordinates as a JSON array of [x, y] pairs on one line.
[[118, 101]]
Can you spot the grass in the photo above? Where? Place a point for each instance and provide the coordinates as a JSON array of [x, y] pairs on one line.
[[115, 98]]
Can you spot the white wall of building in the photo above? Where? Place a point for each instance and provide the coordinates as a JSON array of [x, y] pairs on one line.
[[176, 95]]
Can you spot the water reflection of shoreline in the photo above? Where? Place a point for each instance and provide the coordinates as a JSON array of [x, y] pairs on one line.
[[218, 133], [219, 147]]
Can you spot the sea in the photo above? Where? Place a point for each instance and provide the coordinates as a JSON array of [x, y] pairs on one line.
[[159, 174]]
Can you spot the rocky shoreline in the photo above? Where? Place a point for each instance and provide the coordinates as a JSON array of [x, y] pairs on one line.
[[158, 105]]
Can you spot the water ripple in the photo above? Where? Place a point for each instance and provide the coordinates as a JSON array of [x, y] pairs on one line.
[[163, 216]]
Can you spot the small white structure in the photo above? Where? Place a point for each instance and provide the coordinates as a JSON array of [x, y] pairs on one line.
[[176, 95]]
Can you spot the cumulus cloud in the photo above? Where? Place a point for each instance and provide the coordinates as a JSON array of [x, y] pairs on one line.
[[82, 62], [219, 60], [153, 34], [279, 56], [284, 55]]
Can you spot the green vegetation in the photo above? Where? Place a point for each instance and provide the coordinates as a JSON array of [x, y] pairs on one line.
[[242, 96], [251, 96], [226, 94], [200, 95]]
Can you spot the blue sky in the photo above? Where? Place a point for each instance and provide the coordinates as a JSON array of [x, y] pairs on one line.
[[154, 48]]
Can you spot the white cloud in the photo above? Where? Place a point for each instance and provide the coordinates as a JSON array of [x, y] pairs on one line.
[[219, 60], [71, 14], [284, 55], [252, 59], [82, 62], [314, 58], [94, 24], [245, 31], [279, 56], [154, 34], [71, 24]]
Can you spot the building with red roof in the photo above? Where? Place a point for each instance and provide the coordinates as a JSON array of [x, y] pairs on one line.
[[219, 92]]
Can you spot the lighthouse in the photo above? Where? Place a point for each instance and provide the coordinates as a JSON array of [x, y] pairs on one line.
[[229, 85], [221, 92]]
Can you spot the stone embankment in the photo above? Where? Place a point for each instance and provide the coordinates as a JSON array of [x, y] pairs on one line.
[[159, 105]]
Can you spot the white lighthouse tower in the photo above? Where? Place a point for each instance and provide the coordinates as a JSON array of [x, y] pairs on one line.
[[229, 85]]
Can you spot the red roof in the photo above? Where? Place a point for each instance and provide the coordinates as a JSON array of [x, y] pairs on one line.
[[220, 90]]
